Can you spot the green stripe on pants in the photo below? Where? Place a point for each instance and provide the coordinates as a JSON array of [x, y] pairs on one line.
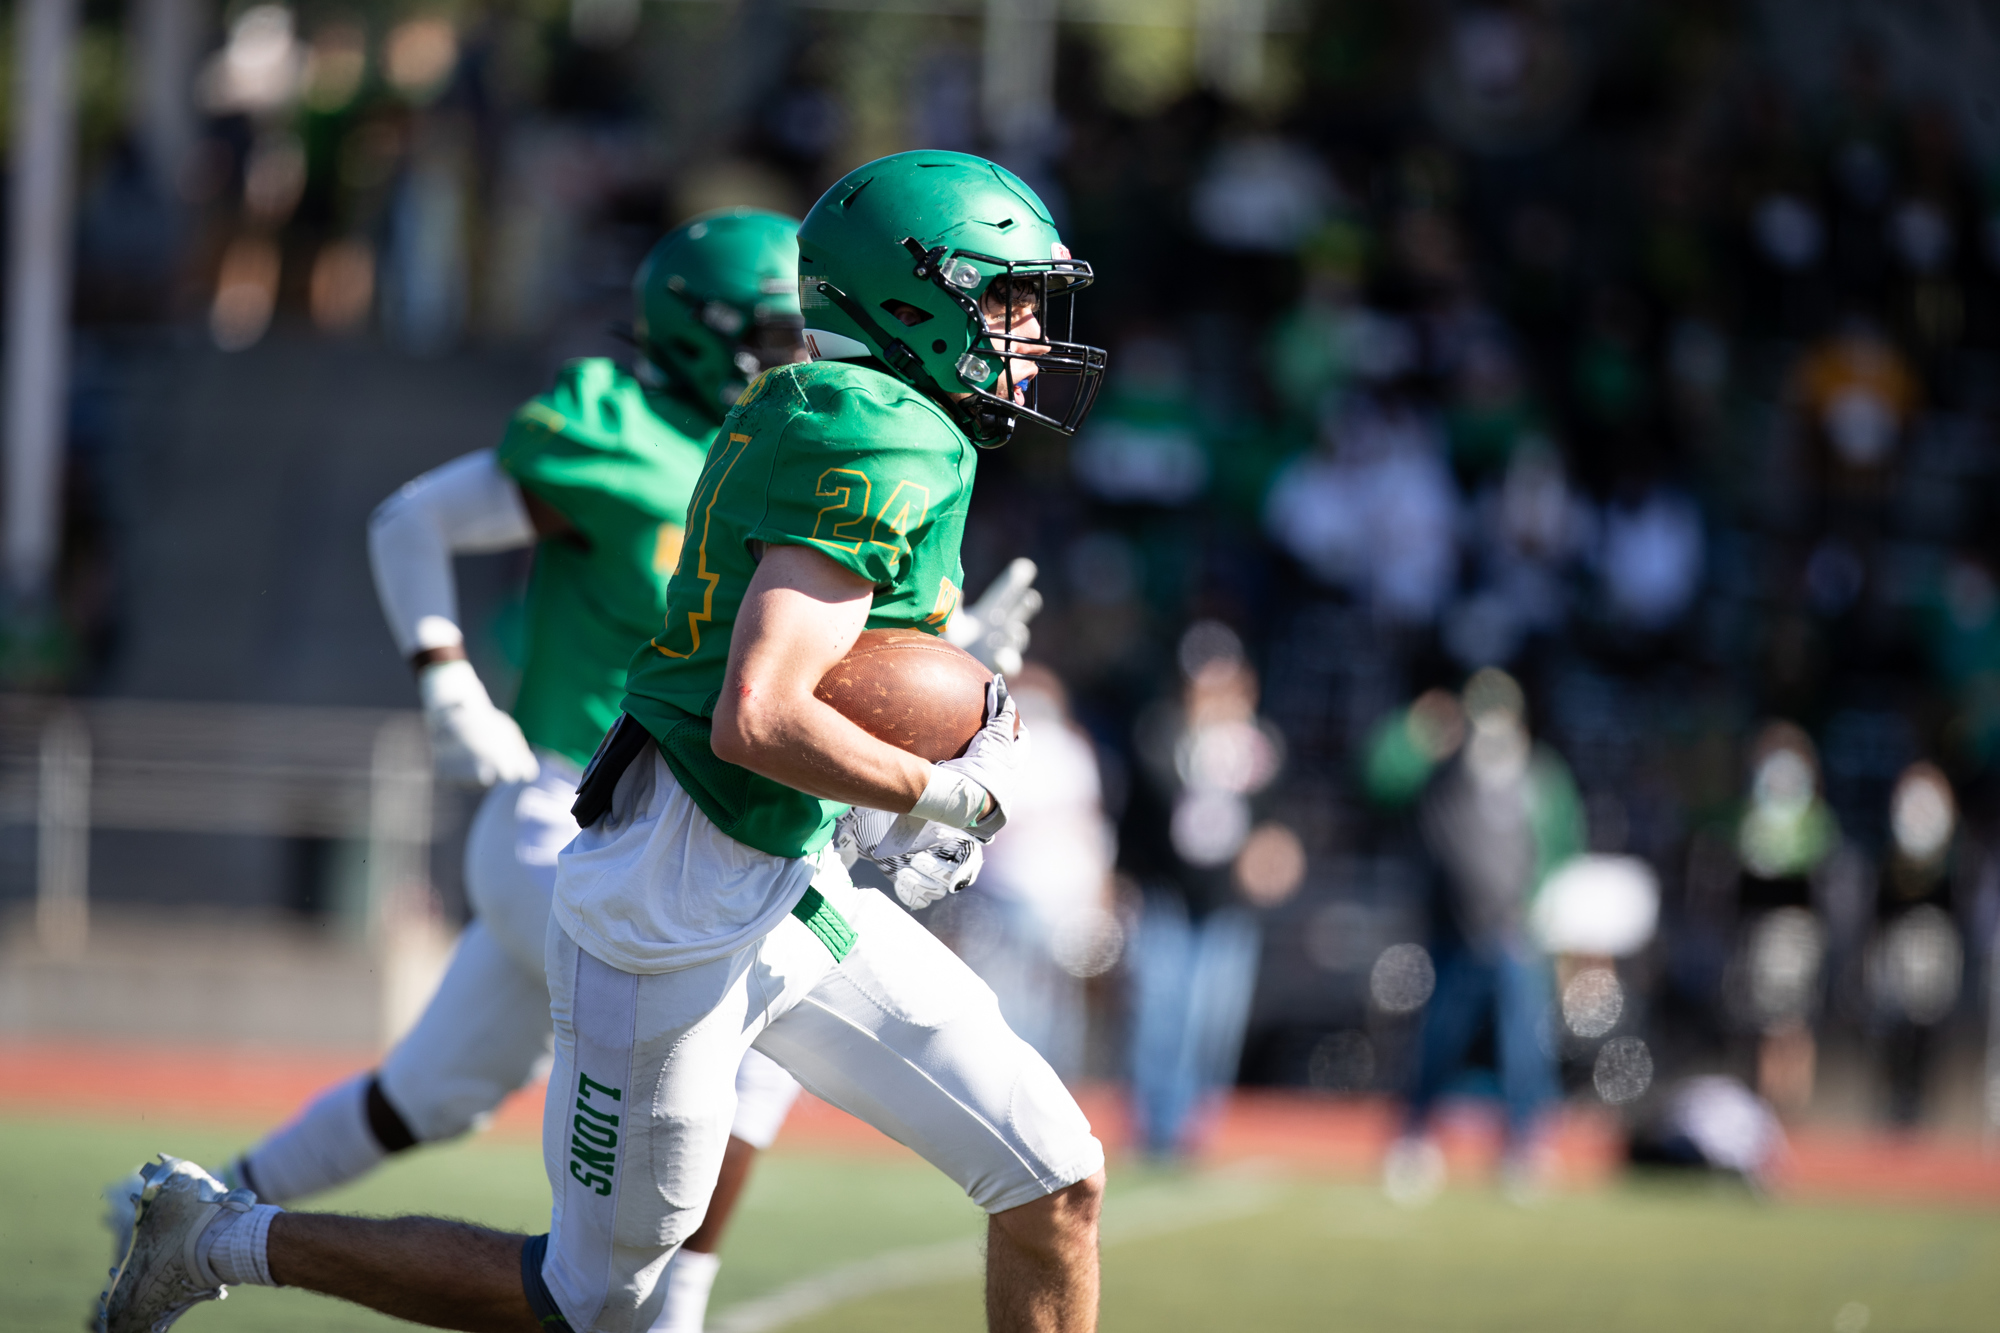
[[823, 919]]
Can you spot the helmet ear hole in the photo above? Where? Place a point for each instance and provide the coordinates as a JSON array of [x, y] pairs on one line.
[[937, 345]]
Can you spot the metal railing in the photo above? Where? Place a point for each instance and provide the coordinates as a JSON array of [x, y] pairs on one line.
[[70, 766]]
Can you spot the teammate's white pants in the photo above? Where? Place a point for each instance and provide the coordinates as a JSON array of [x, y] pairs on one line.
[[487, 1027], [901, 1034], [486, 1030]]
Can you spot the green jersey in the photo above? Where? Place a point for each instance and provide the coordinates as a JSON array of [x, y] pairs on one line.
[[842, 460], [617, 462]]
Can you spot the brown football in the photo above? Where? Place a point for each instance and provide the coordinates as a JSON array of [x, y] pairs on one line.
[[911, 689]]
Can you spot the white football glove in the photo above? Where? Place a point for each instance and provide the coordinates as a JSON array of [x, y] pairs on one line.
[[994, 629], [993, 757], [923, 859], [471, 740]]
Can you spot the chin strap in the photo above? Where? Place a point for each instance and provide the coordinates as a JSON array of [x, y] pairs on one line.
[[983, 423]]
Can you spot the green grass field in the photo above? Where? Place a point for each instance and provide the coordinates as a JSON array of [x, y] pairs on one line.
[[827, 1243]]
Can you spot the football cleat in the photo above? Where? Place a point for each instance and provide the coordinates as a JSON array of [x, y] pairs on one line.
[[159, 1276], [121, 1198]]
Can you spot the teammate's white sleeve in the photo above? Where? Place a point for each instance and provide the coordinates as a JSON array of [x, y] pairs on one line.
[[468, 506]]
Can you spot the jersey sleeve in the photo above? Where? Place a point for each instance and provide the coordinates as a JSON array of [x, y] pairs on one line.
[[860, 483], [578, 447]]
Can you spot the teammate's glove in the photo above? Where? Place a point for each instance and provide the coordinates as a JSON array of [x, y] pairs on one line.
[[959, 790], [994, 629], [471, 740], [923, 859]]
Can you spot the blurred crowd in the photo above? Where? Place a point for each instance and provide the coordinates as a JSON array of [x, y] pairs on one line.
[[1524, 601]]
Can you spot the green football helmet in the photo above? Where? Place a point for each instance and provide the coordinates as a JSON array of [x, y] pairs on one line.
[[718, 301], [896, 262]]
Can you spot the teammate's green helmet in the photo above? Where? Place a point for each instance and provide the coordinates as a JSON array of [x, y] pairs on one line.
[[896, 261], [718, 301]]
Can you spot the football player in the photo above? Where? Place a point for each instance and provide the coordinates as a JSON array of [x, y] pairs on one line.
[[596, 474], [705, 909]]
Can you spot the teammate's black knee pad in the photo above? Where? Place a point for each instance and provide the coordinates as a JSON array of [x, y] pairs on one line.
[[385, 1122], [540, 1303]]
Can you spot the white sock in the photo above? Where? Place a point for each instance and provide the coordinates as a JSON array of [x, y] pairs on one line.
[[233, 1248], [327, 1144], [688, 1279]]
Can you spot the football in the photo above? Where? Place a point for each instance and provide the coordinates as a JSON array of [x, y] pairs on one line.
[[911, 689]]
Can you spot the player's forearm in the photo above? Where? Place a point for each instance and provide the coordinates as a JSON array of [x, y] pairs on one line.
[[800, 616], [806, 745]]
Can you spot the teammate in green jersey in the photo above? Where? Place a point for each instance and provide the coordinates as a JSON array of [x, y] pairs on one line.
[[832, 498], [596, 473]]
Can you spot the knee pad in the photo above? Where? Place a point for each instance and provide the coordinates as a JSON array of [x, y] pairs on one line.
[[385, 1122], [540, 1303]]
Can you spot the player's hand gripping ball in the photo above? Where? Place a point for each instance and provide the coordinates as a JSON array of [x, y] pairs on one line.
[[993, 756], [920, 694]]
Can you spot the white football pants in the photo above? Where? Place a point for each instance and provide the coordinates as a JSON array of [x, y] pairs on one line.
[[900, 1033], [486, 1031]]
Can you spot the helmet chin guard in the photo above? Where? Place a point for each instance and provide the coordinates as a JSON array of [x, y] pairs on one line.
[[1030, 287]]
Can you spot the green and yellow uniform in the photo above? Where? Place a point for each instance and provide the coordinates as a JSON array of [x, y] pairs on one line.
[[617, 461], [840, 459]]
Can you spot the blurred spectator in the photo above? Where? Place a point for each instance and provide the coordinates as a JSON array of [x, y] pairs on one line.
[[1143, 444], [1202, 862], [1858, 394], [1496, 819], [1503, 78], [1373, 509], [1261, 195], [1330, 339], [1526, 532], [1491, 411], [1037, 923], [1650, 558], [1786, 834], [1917, 957], [1961, 623]]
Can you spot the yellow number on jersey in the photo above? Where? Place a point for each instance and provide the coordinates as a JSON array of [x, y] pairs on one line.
[[706, 488], [902, 513], [845, 483], [947, 602]]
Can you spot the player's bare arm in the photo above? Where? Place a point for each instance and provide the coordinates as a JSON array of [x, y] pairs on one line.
[[801, 615]]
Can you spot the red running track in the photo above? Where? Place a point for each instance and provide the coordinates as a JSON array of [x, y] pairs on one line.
[[253, 1087]]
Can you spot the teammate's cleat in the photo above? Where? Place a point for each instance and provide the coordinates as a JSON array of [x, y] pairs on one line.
[[159, 1277]]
